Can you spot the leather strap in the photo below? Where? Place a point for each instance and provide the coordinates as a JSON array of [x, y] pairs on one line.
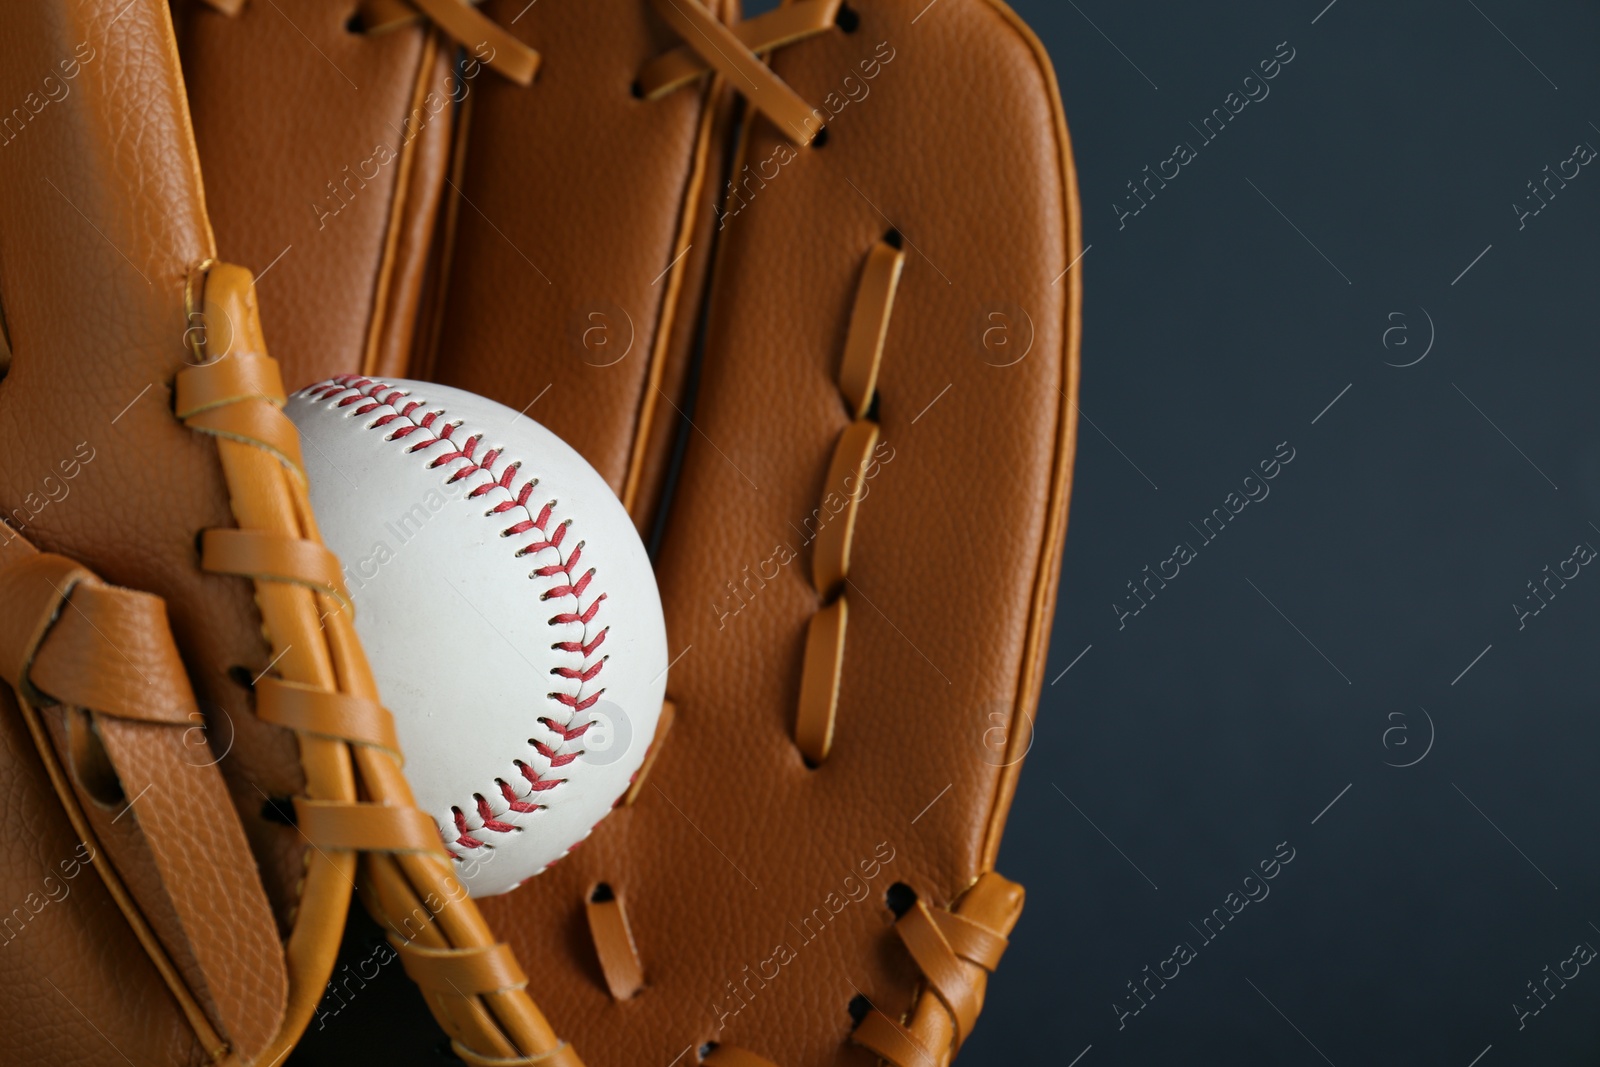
[[869, 325], [33, 588], [613, 943], [972, 941], [955, 950], [466, 25], [121, 742], [924, 937], [269, 558], [785, 25], [724, 52], [892, 1041], [246, 375], [307, 618], [842, 494], [819, 681], [463, 24], [371, 827], [343, 716], [258, 425], [487, 969]]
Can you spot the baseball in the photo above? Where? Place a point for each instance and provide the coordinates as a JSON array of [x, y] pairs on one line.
[[507, 607]]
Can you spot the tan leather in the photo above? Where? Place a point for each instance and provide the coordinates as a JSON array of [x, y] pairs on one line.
[[120, 734], [165, 482], [931, 1031], [846, 486], [774, 29], [613, 943], [729, 1056], [370, 120], [311, 625], [869, 325], [414, 217], [952, 565], [942, 966], [375, 827], [584, 231], [101, 214], [572, 208], [327, 714], [248, 374], [491, 969], [820, 671], [722, 50], [266, 557], [465, 25]]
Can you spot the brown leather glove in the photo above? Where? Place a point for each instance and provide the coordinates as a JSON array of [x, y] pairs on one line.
[[858, 560]]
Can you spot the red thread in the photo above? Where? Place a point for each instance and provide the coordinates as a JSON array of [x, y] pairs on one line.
[[370, 395], [512, 800]]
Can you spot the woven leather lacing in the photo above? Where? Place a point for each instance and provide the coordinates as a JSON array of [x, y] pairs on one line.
[[319, 685]]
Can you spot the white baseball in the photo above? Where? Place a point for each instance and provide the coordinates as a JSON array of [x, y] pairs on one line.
[[507, 607]]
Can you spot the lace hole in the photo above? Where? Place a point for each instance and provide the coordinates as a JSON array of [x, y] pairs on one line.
[[637, 90], [900, 898], [821, 139], [278, 810], [355, 23], [847, 19]]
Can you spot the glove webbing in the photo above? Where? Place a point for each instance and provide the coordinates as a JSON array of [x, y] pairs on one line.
[[324, 690]]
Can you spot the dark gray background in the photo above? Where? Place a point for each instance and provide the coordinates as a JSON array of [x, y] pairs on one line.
[[1210, 729], [1179, 751]]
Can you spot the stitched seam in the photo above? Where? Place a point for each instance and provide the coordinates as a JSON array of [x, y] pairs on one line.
[[429, 429]]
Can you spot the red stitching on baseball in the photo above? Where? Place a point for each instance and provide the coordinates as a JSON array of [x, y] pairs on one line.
[[370, 395]]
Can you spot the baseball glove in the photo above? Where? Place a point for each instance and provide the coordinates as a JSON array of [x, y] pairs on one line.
[[857, 546]]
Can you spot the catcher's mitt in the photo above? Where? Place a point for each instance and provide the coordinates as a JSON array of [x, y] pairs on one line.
[[858, 558]]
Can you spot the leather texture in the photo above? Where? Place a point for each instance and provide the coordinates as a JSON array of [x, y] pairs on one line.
[[978, 454], [140, 424], [580, 253], [314, 176], [124, 724], [101, 217], [889, 369]]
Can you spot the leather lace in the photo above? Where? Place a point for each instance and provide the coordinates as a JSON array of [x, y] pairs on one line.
[[319, 685], [736, 54]]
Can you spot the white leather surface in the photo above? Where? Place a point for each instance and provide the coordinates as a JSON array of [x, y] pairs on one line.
[[456, 623]]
